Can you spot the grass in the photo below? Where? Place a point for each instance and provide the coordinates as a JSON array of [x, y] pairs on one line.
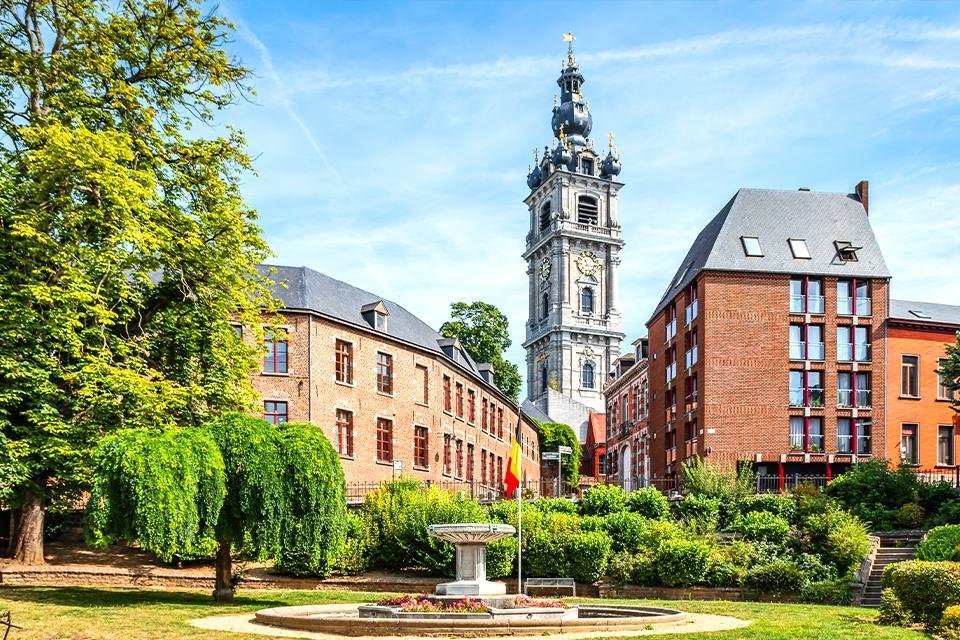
[[114, 614]]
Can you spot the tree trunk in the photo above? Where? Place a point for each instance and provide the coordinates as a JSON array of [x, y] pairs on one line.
[[223, 588], [13, 531], [28, 538]]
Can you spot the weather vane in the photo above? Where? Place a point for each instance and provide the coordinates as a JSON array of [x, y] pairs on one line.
[[568, 38]]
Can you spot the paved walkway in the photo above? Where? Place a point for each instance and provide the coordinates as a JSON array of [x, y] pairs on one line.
[[693, 623]]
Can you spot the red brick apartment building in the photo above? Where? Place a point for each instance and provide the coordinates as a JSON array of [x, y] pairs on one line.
[[921, 425], [390, 393], [627, 394], [768, 343]]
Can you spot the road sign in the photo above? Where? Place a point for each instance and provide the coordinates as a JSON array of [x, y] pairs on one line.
[[563, 449], [549, 455]]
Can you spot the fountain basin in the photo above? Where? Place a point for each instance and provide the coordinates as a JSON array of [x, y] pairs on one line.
[[346, 621]]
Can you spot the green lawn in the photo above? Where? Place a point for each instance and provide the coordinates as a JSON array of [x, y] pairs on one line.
[[114, 614]]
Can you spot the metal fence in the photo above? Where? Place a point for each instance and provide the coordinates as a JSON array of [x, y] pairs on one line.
[[548, 487]]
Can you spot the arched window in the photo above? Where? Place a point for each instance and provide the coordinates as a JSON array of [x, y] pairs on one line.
[[543, 378], [545, 216], [544, 305], [586, 375], [588, 211], [586, 300]]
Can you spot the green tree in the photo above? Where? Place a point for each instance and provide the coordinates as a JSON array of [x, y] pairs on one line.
[[125, 245], [556, 434], [237, 485], [484, 332], [950, 372]]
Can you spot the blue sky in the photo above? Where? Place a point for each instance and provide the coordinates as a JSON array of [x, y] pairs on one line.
[[392, 139]]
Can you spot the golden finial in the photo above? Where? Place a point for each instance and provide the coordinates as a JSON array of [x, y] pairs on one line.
[[536, 158], [610, 139], [568, 38], [555, 100], [562, 136]]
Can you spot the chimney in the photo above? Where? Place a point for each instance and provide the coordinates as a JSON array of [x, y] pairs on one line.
[[862, 190]]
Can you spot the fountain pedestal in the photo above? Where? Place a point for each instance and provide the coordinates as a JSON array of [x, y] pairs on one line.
[[471, 560]]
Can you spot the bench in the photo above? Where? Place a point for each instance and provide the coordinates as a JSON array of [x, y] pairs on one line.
[[547, 583], [6, 622]]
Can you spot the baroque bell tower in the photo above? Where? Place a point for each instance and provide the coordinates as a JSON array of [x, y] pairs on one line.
[[572, 253]]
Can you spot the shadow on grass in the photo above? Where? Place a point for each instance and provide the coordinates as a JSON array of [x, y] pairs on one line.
[[93, 597]]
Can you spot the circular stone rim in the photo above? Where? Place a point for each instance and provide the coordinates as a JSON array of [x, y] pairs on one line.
[[323, 619]]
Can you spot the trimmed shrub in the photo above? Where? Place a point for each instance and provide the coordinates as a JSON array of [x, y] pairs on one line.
[[546, 545], [892, 611], [588, 553], [776, 504], [638, 569], [838, 537], [721, 572], [779, 576], [649, 503], [353, 559], [837, 592], [873, 492], [555, 505], [763, 525], [814, 568], [657, 532], [603, 499], [681, 563], [502, 558], [909, 516], [950, 623], [626, 529], [924, 588], [941, 543], [699, 510]]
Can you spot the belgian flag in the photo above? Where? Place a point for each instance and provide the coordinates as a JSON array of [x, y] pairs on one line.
[[512, 478]]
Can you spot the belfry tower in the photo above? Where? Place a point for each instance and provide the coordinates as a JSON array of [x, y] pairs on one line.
[[572, 253]]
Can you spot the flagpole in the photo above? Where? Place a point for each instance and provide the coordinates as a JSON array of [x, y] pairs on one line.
[[519, 540]]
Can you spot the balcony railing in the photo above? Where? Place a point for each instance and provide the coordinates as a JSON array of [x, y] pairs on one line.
[[692, 356], [798, 304], [863, 397], [692, 310], [862, 352], [844, 397], [807, 351], [671, 371], [799, 396], [671, 331], [798, 350], [846, 305], [796, 397], [815, 304]]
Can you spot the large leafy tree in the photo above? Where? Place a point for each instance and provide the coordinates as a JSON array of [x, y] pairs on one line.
[[125, 245], [236, 484], [950, 372], [484, 332], [556, 434]]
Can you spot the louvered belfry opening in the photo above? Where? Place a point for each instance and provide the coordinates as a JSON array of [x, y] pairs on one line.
[[587, 210], [545, 216]]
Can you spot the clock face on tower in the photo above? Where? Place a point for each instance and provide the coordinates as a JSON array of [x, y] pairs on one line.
[[588, 263], [544, 269]]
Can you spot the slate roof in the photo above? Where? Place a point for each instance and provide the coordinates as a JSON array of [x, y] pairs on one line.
[[311, 290], [534, 411], [774, 216], [938, 313]]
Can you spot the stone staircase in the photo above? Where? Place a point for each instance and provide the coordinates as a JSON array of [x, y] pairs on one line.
[[894, 547]]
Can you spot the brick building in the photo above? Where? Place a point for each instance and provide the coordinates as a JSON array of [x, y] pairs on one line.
[[762, 346], [390, 393], [627, 394], [921, 424]]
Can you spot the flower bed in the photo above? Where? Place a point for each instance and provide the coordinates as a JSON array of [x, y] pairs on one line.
[[422, 603]]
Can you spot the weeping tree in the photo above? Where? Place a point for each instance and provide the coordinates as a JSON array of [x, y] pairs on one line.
[[238, 486]]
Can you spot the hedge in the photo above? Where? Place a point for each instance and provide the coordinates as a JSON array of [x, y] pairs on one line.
[[924, 588], [941, 543], [682, 563], [650, 503], [603, 499]]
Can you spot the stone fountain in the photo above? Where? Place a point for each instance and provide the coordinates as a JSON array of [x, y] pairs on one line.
[[471, 560], [501, 615]]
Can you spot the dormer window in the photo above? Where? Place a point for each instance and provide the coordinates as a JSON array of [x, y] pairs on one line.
[[375, 314], [846, 251], [588, 212]]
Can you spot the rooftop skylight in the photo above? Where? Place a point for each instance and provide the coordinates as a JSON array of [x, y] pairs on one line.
[[846, 251], [751, 247], [799, 248], [919, 313]]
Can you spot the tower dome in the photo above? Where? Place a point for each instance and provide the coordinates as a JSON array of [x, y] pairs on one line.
[[611, 164], [573, 113]]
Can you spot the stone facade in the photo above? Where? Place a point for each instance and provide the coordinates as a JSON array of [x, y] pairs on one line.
[[312, 393]]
